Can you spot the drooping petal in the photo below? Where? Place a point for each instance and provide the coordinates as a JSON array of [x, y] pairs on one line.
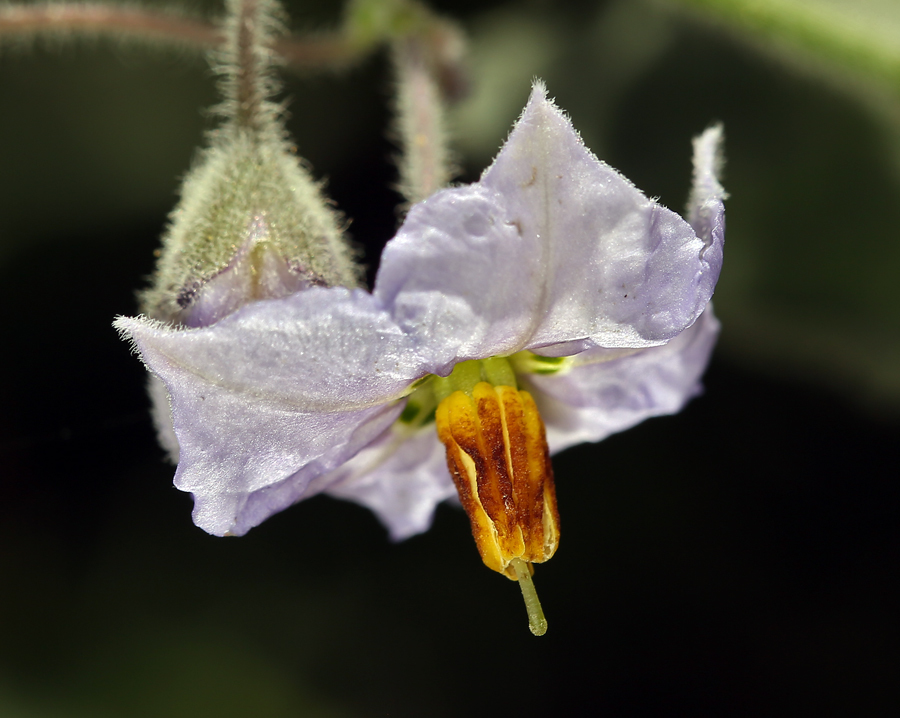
[[401, 478], [706, 207], [550, 247], [275, 394], [611, 390], [161, 413]]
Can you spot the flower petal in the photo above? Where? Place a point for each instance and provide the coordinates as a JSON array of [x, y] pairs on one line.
[[706, 207], [274, 395], [611, 390], [400, 478], [551, 246], [161, 413]]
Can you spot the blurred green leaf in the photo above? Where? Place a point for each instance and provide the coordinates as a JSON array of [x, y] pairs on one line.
[[810, 287], [862, 34]]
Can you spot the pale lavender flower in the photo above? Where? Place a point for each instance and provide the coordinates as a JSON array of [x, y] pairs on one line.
[[596, 294]]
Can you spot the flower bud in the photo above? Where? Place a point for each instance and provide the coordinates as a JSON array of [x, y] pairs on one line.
[[251, 224]]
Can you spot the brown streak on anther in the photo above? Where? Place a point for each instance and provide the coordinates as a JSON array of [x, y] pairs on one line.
[[495, 483], [526, 485]]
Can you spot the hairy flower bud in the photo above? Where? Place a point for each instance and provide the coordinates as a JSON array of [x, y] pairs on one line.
[[251, 223], [249, 210]]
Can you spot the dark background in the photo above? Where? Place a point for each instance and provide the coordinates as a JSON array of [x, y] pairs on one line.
[[739, 559]]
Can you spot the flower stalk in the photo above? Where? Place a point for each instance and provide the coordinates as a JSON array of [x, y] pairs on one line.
[[244, 64], [427, 56], [172, 28], [169, 27], [424, 162]]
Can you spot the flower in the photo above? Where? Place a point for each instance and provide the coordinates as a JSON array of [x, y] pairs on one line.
[[595, 296]]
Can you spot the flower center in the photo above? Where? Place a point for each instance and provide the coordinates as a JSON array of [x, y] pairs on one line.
[[498, 457]]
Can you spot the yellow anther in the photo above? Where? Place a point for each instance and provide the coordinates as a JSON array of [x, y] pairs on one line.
[[497, 454]]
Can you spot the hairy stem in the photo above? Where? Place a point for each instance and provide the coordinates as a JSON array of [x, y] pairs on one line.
[[424, 161], [164, 28], [153, 26], [325, 51], [248, 63], [428, 63]]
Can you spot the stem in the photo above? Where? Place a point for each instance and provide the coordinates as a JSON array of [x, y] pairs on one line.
[[324, 51], [247, 50], [424, 162], [536, 621], [168, 27]]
